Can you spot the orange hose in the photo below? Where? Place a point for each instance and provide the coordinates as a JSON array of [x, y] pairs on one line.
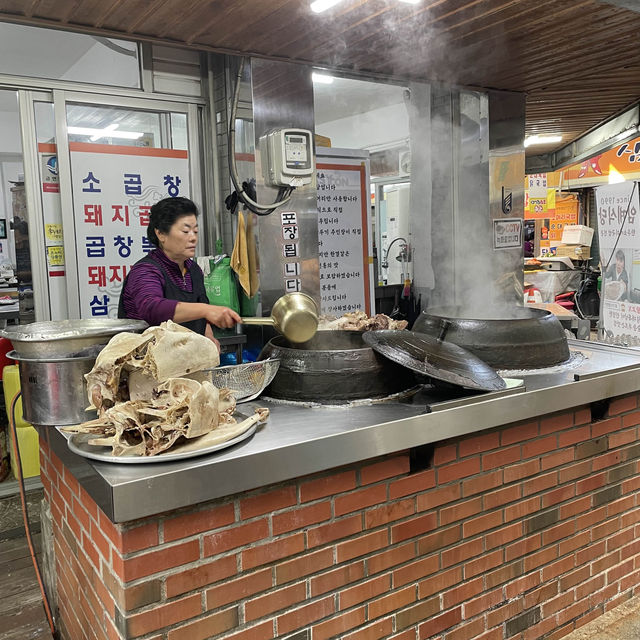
[[25, 514]]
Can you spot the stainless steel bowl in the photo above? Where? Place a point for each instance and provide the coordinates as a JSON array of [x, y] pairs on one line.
[[54, 390], [64, 338]]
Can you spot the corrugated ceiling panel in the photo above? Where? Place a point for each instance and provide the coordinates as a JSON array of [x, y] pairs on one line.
[[578, 61]]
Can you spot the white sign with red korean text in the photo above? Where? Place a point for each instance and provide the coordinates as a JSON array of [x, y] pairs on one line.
[[537, 185], [618, 207], [114, 188]]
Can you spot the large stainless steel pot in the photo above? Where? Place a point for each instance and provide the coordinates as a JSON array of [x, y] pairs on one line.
[[54, 391], [63, 338], [333, 366], [527, 339]]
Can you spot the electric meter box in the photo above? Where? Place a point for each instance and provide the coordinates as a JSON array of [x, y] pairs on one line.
[[289, 158]]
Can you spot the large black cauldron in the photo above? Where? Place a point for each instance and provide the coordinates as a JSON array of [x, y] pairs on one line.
[[334, 366], [523, 338]]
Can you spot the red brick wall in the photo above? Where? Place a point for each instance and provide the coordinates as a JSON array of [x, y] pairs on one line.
[[527, 531]]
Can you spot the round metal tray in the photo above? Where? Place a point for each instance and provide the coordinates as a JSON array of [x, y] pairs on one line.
[[61, 338], [77, 442]]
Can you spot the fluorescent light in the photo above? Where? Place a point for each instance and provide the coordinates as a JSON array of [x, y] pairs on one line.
[[541, 140], [107, 132], [321, 78], [410, 1], [627, 133], [322, 5], [111, 127]]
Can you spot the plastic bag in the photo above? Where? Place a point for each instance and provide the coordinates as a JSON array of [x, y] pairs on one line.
[[248, 306], [220, 285]]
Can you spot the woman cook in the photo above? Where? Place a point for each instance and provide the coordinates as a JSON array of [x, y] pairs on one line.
[[167, 284]]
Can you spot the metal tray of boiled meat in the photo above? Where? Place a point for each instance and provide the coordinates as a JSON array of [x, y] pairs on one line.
[[78, 443], [435, 358]]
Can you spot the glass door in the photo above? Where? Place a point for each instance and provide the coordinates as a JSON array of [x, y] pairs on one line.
[[47, 254], [120, 157], [15, 277]]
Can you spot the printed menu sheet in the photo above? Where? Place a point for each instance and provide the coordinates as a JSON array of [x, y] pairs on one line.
[[343, 239]]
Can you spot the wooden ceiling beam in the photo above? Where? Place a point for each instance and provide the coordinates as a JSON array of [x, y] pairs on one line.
[[556, 18], [109, 10], [532, 28], [184, 9], [153, 8], [577, 61], [30, 10], [239, 17], [71, 10]]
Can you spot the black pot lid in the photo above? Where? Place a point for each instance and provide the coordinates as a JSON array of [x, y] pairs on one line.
[[434, 358]]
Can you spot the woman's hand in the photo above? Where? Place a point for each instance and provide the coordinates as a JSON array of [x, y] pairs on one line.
[[221, 317], [208, 333]]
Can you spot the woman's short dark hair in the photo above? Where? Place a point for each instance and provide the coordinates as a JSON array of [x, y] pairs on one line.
[[620, 255], [164, 214]]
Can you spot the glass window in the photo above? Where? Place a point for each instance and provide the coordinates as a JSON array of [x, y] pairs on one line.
[[49, 190], [15, 261], [360, 114], [61, 55], [122, 161], [373, 117], [114, 125], [179, 132]]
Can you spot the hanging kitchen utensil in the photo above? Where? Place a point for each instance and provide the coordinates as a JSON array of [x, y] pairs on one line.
[[435, 358], [294, 315]]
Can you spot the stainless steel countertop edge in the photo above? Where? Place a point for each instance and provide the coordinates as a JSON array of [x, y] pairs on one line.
[[199, 482]]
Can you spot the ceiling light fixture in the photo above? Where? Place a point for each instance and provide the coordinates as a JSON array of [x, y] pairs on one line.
[[322, 5], [411, 1], [541, 140], [321, 78], [107, 132], [107, 129], [625, 134]]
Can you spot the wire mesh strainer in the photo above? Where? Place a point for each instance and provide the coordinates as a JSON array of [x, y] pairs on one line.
[[247, 381]]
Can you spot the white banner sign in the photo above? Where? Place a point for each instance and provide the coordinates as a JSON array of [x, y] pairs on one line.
[[114, 188], [343, 242], [618, 207]]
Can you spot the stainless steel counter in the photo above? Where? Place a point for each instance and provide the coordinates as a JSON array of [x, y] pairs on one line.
[[299, 440]]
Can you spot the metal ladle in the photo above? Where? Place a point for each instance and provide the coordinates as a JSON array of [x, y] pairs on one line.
[[294, 315]]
